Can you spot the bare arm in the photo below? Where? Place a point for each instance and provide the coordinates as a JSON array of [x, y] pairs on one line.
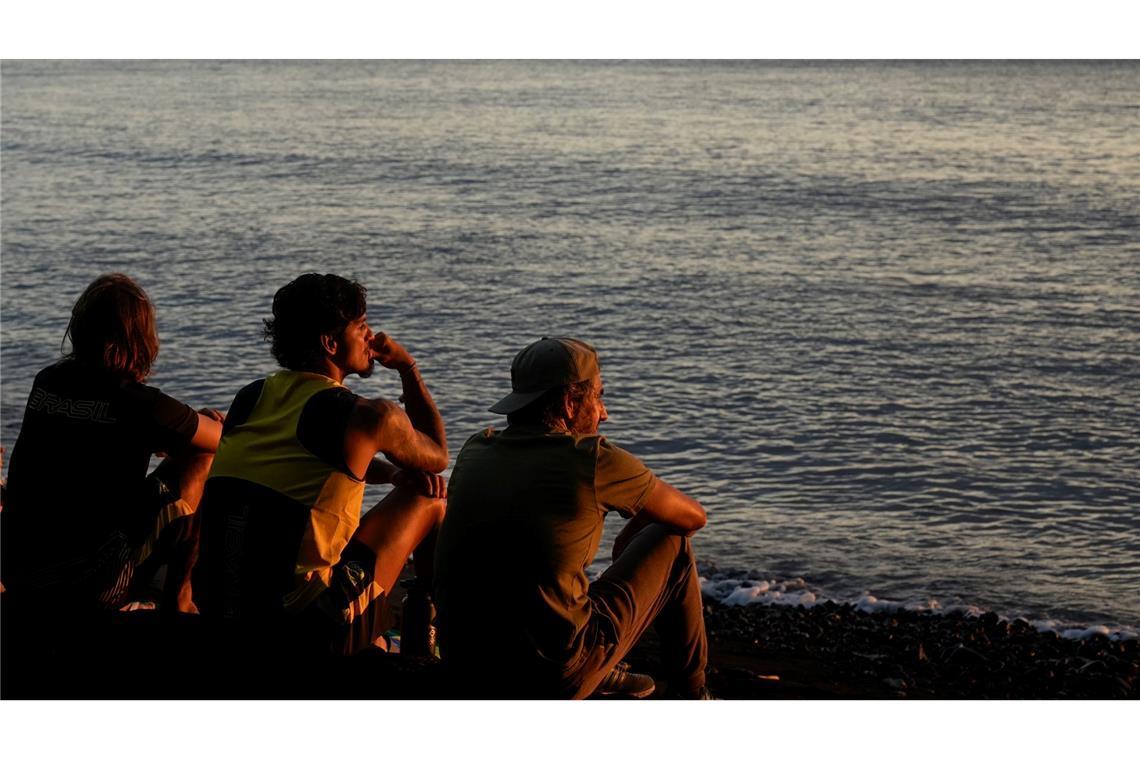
[[411, 440], [418, 403], [420, 407], [672, 508], [381, 426], [209, 430], [666, 506], [380, 472], [426, 483]]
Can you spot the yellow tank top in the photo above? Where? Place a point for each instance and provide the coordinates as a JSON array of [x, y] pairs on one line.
[[264, 449]]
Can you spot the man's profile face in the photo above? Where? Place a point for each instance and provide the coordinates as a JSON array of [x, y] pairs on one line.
[[592, 411], [354, 348]]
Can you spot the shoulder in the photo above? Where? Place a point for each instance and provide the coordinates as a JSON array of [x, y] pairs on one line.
[[51, 371], [251, 390], [611, 456], [333, 405], [67, 372], [147, 396], [599, 446], [323, 423], [243, 405], [371, 413], [336, 394], [485, 437], [154, 412], [622, 482]]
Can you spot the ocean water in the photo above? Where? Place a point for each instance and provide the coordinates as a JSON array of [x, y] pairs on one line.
[[882, 319]]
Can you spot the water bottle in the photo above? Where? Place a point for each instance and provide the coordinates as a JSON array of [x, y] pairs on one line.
[[417, 630]]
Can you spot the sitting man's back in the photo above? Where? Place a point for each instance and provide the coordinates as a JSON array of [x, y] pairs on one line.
[[286, 555], [533, 499], [86, 533]]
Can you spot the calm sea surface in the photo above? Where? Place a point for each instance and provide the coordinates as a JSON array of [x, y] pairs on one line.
[[883, 320]]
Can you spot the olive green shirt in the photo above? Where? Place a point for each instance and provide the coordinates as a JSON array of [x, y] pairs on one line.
[[525, 511]]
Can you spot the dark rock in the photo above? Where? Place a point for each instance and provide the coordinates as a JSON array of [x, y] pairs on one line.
[[932, 655], [964, 655], [1093, 667], [897, 684]]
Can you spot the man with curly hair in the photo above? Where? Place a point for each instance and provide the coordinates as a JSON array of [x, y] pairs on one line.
[[285, 552]]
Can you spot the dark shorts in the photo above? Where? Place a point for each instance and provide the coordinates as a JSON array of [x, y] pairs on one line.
[[349, 615], [101, 578]]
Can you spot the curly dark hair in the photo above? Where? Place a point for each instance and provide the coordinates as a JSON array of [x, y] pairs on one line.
[[546, 410], [112, 326], [307, 308]]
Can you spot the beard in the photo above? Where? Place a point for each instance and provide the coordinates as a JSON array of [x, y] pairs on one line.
[[581, 424]]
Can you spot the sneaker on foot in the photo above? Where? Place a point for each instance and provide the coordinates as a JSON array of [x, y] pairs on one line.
[[622, 682]]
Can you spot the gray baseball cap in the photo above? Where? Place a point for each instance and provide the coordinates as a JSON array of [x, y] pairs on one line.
[[546, 364]]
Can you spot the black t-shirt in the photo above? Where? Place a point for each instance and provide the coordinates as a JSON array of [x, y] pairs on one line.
[[79, 465]]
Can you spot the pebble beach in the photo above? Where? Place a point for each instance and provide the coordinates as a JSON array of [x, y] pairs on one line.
[[834, 651]]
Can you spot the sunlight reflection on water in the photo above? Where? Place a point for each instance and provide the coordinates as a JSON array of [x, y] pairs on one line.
[[882, 319]]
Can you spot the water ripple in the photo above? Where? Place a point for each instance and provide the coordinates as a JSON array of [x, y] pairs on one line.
[[892, 342]]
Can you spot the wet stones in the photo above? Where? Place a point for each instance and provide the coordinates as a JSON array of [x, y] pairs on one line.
[[918, 654], [964, 655]]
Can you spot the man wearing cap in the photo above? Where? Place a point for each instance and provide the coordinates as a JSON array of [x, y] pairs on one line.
[[533, 498]]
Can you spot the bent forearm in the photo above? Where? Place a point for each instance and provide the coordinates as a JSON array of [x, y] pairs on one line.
[[636, 523], [380, 472], [644, 519], [674, 509]]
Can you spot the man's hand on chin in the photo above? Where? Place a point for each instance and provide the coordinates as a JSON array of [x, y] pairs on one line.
[[390, 353]]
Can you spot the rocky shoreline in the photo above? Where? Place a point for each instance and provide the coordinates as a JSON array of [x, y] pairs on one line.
[[827, 651], [836, 651]]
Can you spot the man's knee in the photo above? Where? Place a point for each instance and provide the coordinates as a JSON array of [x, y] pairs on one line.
[[659, 535], [437, 508], [430, 508], [657, 550]]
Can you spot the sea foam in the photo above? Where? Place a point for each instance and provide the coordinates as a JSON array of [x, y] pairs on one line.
[[738, 592], [792, 592]]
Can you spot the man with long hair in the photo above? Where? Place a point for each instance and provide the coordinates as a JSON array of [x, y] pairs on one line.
[[536, 495], [286, 556], [84, 526]]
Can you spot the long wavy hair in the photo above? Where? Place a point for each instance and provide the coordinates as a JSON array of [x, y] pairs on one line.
[[113, 326]]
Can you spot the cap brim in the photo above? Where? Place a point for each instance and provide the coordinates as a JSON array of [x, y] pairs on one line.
[[514, 401]]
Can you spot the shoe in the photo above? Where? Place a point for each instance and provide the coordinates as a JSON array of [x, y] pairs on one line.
[[621, 682]]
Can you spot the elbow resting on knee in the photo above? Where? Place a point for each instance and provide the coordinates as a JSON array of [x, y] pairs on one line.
[[697, 520]]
